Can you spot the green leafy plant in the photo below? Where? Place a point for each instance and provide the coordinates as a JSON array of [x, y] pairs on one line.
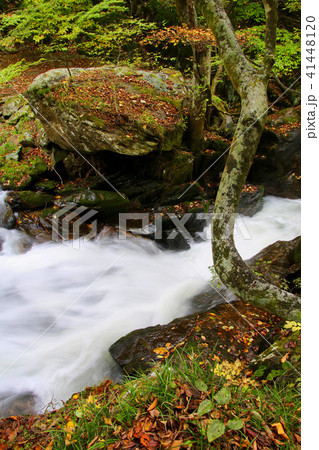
[[15, 70], [105, 28]]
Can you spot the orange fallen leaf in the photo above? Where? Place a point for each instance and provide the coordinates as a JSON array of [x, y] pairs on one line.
[[161, 351], [280, 430], [152, 405], [176, 445]]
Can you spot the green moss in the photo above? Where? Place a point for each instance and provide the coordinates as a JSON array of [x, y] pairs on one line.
[[19, 175], [30, 200], [106, 202]]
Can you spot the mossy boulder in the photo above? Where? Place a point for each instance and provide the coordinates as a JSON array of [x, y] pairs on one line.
[[282, 360], [11, 105], [23, 113], [106, 202], [119, 109], [25, 200], [279, 263], [19, 171], [283, 117], [47, 186]]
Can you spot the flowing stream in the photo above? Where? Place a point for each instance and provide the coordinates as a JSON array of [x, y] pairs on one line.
[[62, 308]]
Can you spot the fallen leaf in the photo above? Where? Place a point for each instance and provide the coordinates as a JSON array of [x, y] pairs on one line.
[[152, 405], [280, 430], [161, 351], [284, 358], [175, 445]]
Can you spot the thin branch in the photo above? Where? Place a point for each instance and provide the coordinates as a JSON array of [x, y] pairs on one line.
[[281, 84], [215, 79], [271, 11]]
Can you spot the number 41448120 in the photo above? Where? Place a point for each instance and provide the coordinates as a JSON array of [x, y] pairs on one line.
[[310, 45]]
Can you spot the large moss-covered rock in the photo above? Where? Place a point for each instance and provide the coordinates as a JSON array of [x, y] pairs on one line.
[[21, 200], [283, 117], [106, 202], [120, 109]]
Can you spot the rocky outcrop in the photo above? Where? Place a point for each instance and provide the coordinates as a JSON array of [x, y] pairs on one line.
[[224, 329], [282, 360], [106, 202], [279, 263], [250, 200], [26, 200], [277, 164], [119, 109], [7, 218], [23, 156]]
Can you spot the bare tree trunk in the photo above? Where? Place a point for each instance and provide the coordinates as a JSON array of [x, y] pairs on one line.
[[251, 84], [201, 79]]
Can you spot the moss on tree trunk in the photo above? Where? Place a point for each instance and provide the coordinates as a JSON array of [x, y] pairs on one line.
[[251, 84]]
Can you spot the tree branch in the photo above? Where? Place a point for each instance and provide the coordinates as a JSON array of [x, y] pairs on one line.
[[271, 11], [236, 64]]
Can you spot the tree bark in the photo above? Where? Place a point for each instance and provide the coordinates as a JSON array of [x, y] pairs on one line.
[[251, 84], [201, 79]]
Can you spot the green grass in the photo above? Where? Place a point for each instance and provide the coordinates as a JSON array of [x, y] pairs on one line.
[[168, 404]]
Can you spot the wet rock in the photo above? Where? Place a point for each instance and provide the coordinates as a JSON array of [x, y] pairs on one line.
[[212, 297], [213, 159], [173, 195], [277, 164], [7, 218], [17, 404], [134, 352], [133, 112], [174, 241], [47, 186], [106, 202], [270, 362], [288, 186], [25, 200], [230, 331], [36, 224], [174, 167], [278, 262], [251, 201]]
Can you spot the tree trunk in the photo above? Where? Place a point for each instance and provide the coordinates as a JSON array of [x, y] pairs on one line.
[[251, 84], [200, 97], [201, 79]]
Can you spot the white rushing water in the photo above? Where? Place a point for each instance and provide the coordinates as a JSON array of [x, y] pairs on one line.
[[62, 308]]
